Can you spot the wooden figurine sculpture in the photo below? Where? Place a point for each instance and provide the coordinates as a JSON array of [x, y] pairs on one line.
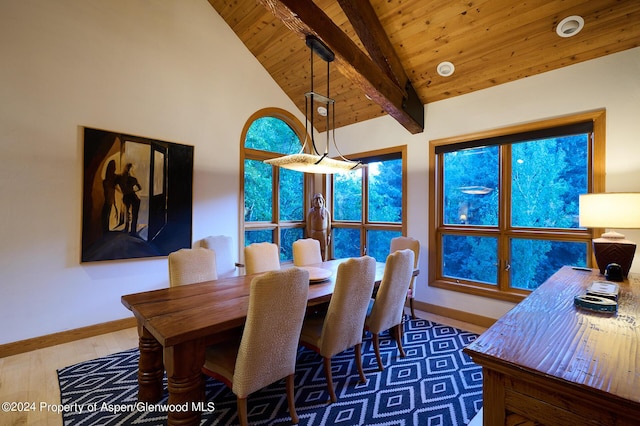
[[319, 223]]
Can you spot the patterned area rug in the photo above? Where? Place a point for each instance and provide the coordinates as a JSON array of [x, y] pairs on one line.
[[436, 384]]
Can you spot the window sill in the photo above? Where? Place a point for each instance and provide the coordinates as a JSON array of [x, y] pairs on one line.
[[488, 291]]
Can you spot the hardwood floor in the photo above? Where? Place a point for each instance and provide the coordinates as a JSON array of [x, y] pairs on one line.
[[31, 378]]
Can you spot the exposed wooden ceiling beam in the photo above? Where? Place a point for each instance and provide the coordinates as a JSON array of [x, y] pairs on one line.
[[303, 17], [365, 22]]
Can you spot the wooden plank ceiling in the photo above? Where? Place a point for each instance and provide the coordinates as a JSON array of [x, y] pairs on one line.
[[490, 42]]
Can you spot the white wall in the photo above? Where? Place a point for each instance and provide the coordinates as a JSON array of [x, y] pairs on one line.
[[612, 82], [170, 70]]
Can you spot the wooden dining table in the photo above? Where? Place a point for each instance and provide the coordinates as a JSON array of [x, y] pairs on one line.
[[176, 324]]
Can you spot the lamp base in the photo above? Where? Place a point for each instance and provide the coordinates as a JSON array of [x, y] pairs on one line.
[[618, 251]]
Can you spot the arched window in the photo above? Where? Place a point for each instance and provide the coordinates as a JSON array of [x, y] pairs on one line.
[[273, 198]]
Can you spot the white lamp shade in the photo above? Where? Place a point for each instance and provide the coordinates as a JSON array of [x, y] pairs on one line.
[[619, 210], [308, 163]]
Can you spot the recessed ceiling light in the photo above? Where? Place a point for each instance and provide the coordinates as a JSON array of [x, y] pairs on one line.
[[570, 26], [446, 68]]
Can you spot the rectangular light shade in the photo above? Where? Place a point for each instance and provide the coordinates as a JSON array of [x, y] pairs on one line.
[[620, 210], [308, 163]]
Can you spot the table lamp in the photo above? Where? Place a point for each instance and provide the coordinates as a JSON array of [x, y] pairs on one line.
[[612, 210]]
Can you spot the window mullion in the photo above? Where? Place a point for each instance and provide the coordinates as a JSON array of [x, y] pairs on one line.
[[364, 244], [275, 188], [504, 204]]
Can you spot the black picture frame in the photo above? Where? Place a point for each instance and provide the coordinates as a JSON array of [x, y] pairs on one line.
[[137, 196]]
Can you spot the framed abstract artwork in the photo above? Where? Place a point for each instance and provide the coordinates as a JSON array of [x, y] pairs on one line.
[[137, 196]]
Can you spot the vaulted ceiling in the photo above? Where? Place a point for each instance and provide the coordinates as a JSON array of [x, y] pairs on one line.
[[387, 51]]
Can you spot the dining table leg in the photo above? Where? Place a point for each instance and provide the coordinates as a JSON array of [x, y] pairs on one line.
[[184, 381], [150, 367]]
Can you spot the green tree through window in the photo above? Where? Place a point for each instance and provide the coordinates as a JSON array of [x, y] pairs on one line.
[[369, 205], [509, 207], [273, 197]]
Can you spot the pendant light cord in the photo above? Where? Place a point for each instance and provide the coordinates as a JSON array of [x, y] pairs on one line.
[[327, 56], [311, 94]]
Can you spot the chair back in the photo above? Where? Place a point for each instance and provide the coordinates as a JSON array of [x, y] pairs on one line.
[[389, 302], [261, 257], [225, 260], [306, 252], [344, 321], [269, 346], [401, 243], [188, 266]]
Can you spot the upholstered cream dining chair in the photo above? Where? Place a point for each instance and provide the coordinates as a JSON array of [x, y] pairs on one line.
[[188, 266], [306, 252], [386, 309], [341, 327], [267, 350], [401, 243], [261, 257], [226, 266]]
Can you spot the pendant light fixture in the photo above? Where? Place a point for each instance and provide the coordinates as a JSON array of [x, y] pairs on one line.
[[317, 162]]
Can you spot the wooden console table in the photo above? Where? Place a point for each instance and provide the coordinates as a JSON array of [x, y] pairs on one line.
[[548, 362]]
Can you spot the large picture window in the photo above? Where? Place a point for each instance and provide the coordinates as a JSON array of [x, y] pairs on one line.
[[273, 197], [504, 217], [369, 205]]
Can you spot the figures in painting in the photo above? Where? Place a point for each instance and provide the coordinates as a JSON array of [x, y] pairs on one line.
[[109, 187], [129, 186]]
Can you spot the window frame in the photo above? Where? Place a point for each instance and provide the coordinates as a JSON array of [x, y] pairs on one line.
[[364, 225], [504, 232], [275, 225]]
